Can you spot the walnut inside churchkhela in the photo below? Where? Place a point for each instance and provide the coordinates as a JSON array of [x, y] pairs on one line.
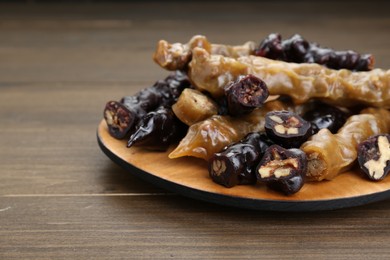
[[331, 154], [282, 169], [374, 156], [287, 128], [236, 163], [246, 94]]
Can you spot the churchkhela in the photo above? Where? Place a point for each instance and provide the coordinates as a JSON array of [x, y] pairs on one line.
[[176, 56], [236, 163], [301, 82], [374, 156], [207, 137], [123, 116], [284, 113], [282, 169], [331, 154], [299, 50]]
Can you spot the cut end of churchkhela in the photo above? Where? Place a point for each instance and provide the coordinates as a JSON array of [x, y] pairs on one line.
[[374, 156], [119, 119], [283, 170], [245, 94]]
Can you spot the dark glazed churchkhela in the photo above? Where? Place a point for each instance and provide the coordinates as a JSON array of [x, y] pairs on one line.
[[119, 119], [122, 117], [282, 170], [374, 156], [297, 49], [245, 94], [322, 115], [236, 163], [287, 128], [156, 130]]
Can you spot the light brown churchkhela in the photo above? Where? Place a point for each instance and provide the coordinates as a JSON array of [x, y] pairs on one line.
[[176, 56], [207, 137], [211, 67], [302, 82], [331, 154]]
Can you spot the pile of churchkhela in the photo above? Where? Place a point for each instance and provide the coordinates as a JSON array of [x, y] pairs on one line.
[[282, 113]]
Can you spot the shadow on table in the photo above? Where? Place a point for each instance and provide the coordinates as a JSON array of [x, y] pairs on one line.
[[117, 180]]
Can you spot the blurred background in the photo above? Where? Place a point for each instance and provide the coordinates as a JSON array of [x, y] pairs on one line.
[[46, 39]]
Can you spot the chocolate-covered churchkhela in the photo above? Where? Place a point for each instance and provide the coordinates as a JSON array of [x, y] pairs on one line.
[[299, 50], [282, 169], [121, 117], [236, 163], [156, 130]]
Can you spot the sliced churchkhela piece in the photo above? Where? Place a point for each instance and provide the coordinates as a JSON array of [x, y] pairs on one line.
[[207, 137], [331, 154], [121, 118], [374, 157], [301, 82], [287, 128], [236, 163], [282, 169], [176, 56], [245, 95], [193, 106]]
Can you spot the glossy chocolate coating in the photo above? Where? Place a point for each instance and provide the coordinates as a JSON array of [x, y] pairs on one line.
[[236, 164], [299, 50], [293, 164], [245, 94], [325, 116], [287, 128], [156, 130], [123, 116]]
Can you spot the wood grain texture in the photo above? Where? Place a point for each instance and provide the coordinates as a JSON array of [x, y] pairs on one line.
[[135, 227], [62, 198], [114, 43], [127, 227]]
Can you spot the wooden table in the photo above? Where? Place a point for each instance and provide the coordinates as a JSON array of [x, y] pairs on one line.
[[62, 198]]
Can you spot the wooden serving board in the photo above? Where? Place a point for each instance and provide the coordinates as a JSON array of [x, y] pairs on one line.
[[189, 177]]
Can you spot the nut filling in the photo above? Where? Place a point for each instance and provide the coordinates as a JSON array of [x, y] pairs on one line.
[[236, 164], [278, 168], [374, 156], [218, 167], [118, 118], [245, 95], [287, 128], [283, 170]]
